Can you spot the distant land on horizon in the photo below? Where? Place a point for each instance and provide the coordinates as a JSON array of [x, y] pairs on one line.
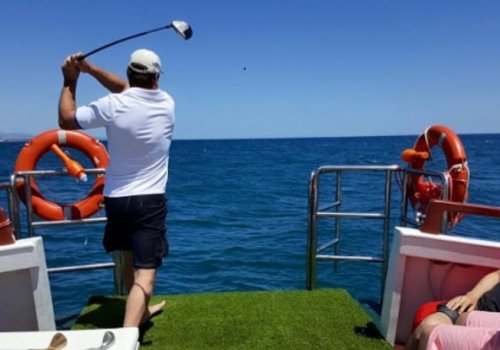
[[17, 136], [14, 136]]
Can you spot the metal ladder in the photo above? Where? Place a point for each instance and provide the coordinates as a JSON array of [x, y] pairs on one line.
[[332, 210]]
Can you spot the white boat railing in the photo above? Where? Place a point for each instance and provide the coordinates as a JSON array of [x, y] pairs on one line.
[[333, 210], [33, 222]]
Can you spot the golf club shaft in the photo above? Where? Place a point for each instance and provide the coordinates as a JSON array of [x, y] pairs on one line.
[[122, 40]]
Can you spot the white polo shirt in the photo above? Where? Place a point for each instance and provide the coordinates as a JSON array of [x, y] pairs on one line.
[[139, 125]]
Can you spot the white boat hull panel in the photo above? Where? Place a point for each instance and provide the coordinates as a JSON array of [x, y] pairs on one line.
[[25, 297], [426, 267]]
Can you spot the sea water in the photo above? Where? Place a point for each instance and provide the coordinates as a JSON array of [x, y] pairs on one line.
[[238, 212]]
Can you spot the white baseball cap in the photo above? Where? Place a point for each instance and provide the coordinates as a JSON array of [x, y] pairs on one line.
[[145, 61]]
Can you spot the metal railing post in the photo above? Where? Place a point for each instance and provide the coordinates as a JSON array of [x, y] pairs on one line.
[[387, 221], [13, 202], [338, 200], [311, 274], [119, 273]]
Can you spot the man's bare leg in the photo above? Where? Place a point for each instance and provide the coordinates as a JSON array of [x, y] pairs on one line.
[[140, 287], [138, 298]]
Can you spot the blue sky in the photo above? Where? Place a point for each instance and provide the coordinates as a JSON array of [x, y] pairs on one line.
[[313, 68]]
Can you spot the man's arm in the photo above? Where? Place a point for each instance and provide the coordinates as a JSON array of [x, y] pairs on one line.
[[468, 301], [71, 69], [67, 100], [109, 80]]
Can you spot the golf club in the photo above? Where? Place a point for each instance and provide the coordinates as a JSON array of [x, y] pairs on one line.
[[182, 28]]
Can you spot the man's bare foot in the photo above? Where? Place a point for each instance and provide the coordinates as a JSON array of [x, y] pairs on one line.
[[152, 311]]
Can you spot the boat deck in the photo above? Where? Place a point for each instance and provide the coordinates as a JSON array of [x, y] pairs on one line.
[[319, 319]]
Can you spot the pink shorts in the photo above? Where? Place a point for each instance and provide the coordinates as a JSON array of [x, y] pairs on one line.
[[482, 332]]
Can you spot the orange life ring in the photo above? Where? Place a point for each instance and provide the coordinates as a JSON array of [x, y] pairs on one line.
[[36, 148], [420, 192]]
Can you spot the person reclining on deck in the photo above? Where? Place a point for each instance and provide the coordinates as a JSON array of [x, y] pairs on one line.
[[469, 321]]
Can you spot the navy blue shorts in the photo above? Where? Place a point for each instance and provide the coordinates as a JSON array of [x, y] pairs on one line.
[[137, 224]]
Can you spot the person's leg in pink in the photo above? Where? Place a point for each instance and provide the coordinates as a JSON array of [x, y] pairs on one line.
[[478, 330]]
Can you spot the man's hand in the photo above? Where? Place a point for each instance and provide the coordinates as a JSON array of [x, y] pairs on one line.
[[71, 67], [83, 65]]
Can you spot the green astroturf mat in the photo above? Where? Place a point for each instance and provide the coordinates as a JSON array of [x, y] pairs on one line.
[[320, 319]]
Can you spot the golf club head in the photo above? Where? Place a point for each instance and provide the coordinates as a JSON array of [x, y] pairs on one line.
[[183, 29]]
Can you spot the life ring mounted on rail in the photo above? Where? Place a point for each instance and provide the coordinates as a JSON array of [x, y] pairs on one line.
[[420, 191], [41, 144]]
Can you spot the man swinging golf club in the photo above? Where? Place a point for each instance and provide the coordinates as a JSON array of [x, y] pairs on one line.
[[139, 120]]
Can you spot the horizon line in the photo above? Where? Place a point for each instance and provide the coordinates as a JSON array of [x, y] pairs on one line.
[[26, 137]]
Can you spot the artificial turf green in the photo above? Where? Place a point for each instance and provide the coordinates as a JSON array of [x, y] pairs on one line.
[[320, 319]]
